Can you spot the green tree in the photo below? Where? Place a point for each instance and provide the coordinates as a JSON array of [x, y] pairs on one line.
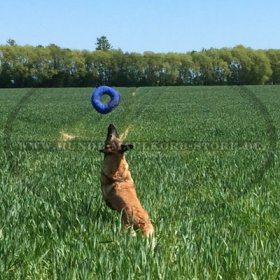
[[170, 65], [274, 58], [14, 66], [103, 44], [152, 69], [219, 66], [91, 75], [203, 71], [130, 69], [240, 65], [261, 69], [52, 66], [253, 66], [11, 42], [185, 68]]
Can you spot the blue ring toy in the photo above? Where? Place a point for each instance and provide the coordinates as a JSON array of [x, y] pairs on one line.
[[105, 108]]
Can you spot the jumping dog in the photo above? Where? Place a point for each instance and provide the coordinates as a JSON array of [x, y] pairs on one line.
[[118, 187]]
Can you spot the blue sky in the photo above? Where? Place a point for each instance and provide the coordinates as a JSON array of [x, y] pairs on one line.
[[142, 25]]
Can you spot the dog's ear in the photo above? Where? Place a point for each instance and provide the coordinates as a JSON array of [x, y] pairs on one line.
[[126, 147]]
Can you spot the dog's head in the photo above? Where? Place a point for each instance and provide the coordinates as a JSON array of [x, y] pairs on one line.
[[113, 143]]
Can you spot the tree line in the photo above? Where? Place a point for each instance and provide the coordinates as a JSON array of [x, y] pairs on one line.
[[53, 66]]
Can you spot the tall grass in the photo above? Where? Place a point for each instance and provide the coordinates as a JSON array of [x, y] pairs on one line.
[[198, 152]]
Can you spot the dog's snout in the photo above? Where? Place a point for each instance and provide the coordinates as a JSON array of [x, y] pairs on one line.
[[111, 126], [112, 131]]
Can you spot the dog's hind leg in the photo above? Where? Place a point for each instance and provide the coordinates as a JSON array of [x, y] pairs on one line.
[[147, 229]]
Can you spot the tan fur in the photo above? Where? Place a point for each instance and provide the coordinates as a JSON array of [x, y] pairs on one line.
[[117, 185]]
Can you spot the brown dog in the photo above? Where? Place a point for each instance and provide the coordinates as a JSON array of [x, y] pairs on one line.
[[117, 185]]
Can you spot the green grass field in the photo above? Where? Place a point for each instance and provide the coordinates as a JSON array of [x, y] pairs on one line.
[[206, 166]]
